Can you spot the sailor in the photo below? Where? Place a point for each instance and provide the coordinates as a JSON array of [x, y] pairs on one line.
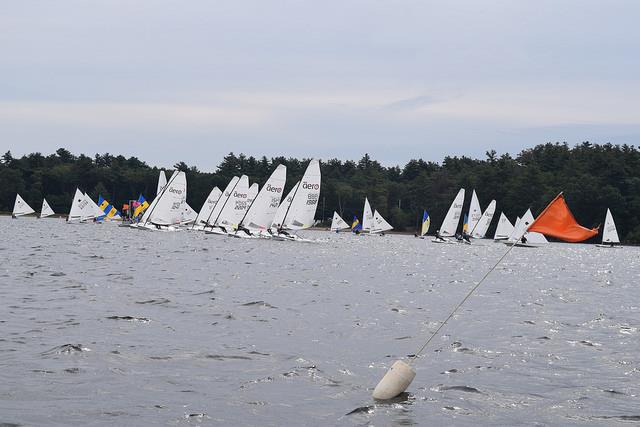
[[523, 239], [466, 237], [439, 237]]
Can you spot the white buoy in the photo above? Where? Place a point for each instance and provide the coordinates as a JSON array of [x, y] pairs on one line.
[[395, 381]]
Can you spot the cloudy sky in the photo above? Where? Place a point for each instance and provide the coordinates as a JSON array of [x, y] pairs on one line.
[[192, 80]]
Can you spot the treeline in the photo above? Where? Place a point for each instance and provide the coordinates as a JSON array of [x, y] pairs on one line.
[[593, 177]]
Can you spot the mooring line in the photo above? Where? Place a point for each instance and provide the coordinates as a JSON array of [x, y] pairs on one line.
[[415, 356]]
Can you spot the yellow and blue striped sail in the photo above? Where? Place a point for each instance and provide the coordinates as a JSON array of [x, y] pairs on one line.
[[109, 210], [465, 225], [141, 206], [355, 225], [426, 222]]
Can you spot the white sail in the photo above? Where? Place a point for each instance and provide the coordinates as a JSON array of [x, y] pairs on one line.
[[516, 225], [188, 215], [94, 209], [475, 213], [303, 207], [235, 207], [337, 223], [265, 205], [367, 216], [222, 201], [252, 193], [79, 208], [207, 206], [610, 233], [166, 208], [284, 207], [379, 224], [482, 226], [504, 229], [451, 220], [521, 227], [46, 209], [162, 181], [20, 207]]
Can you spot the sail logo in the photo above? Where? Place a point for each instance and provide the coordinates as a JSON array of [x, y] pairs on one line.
[[457, 206], [308, 186], [239, 195], [174, 190], [274, 189]]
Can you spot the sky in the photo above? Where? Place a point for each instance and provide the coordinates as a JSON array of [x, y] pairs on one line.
[[191, 81]]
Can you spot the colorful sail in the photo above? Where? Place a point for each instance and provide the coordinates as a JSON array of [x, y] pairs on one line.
[[426, 222], [556, 220], [465, 224], [355, 225], [110, 211], [140, 205]]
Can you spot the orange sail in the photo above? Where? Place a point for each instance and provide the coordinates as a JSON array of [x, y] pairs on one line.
[[556, 220]]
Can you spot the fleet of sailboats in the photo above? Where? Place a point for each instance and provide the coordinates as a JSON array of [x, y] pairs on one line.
[[248, 211]]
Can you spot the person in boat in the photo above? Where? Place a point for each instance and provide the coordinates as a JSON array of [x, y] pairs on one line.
[[523, 239], [466, 237], [282, 231], [244, 229], [458, 237], [439, 237]]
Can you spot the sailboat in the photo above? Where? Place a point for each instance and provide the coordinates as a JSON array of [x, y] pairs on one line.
[[242, 208], [232, 209], [222, 201], [165, 212], [111, 213], [367, 216], [46, 209], [260, 215], [189, 215], [21, 208], [96, 213], [504, 229], [302, 210], [337, 223], [481, 227], [475, 213], [522, 238], [426, 222], [379, 224], [206, 209], [80, 210], [451, 220], [609, 233], [278, 219]]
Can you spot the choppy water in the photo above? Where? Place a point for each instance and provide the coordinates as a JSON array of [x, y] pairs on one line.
[[103, 325]]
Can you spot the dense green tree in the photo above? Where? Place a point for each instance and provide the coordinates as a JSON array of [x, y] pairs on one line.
[[593, 177]]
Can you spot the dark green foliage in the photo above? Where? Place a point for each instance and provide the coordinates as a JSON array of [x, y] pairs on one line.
[[593, 178]]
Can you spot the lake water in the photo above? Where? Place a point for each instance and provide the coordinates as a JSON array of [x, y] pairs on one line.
[[102, 325]]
